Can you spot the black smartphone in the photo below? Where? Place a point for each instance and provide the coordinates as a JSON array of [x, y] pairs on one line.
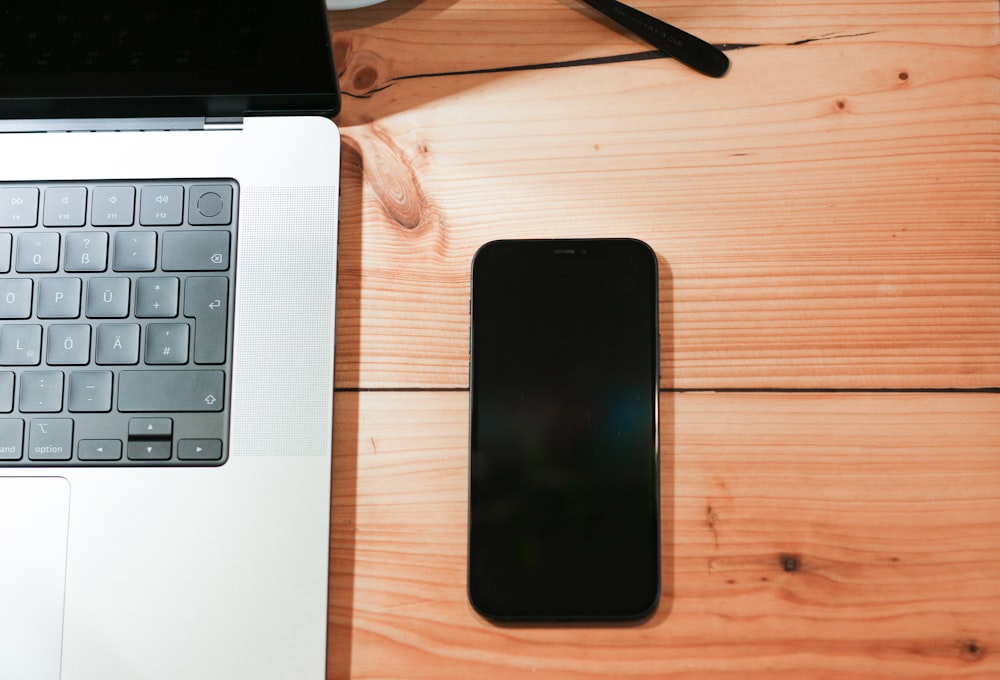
[[564, 442]]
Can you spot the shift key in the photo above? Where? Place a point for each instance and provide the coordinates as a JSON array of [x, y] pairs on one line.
[[206, 300], [160, 391]]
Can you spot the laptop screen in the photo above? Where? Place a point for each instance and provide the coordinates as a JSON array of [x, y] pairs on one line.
[[125, 58]]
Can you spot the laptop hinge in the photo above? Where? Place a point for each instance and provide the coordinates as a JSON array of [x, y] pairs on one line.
[[224, 123], [121, 124]]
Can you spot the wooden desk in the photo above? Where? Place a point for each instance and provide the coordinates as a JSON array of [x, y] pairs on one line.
[[827, 218]]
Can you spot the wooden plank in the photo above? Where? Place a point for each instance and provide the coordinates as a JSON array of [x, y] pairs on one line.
[[826, 215], [821, 535], [406, 38]]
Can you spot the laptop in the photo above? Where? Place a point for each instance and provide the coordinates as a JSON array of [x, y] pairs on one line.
[[168, 247]]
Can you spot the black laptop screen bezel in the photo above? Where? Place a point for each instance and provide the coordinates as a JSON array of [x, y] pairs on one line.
[[270, 58]]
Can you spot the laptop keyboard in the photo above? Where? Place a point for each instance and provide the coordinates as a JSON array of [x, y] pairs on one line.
[[116, 303]]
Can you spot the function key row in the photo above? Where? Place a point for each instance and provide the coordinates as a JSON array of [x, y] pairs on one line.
[[159, 205]]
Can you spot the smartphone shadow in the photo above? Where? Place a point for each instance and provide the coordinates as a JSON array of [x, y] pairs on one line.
[[667, 441]]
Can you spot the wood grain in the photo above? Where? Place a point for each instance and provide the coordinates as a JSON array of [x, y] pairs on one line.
[[821, 536], [826, 215], [827, 221]]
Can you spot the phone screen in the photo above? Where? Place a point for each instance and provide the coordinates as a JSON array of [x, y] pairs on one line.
[[564, 469]]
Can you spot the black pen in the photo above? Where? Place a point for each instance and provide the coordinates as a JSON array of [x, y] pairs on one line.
[[672, 41]]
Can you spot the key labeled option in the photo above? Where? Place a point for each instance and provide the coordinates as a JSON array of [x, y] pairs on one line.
[[50, 439]]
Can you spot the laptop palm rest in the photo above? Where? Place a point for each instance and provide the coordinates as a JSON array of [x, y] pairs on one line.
[[34, 522]]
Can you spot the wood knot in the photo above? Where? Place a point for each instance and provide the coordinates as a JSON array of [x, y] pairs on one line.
[[790, 563], [390, 174], [364, 78], [972, 650], [357, 68]]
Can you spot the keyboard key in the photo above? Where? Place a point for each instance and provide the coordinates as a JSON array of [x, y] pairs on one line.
[[18, 207], [211, 204], [6, 391], [5, 248], [117, 344], [107, 298], [20, 345], [185, 251], [99, 449], [50, 439], [206, 301], [156, 297], [37, 252], [150, 428], [161, 205], [167, 343], [199, 449], [41, 392], [113, 207], [11, 438], [151, 449], [170, 390], [67, 345], [89, 391], [15, 298], [65, 207], [59, 298], [86, 252], [135, 251]]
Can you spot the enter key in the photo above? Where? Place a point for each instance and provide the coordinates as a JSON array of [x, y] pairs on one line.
[[206, 300]]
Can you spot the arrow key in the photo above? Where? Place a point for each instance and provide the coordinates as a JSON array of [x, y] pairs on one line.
[[153, 449], [199, 449], [99, 449], [150, 428]]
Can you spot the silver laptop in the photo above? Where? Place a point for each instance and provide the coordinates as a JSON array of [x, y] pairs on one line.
[[168, 247]]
